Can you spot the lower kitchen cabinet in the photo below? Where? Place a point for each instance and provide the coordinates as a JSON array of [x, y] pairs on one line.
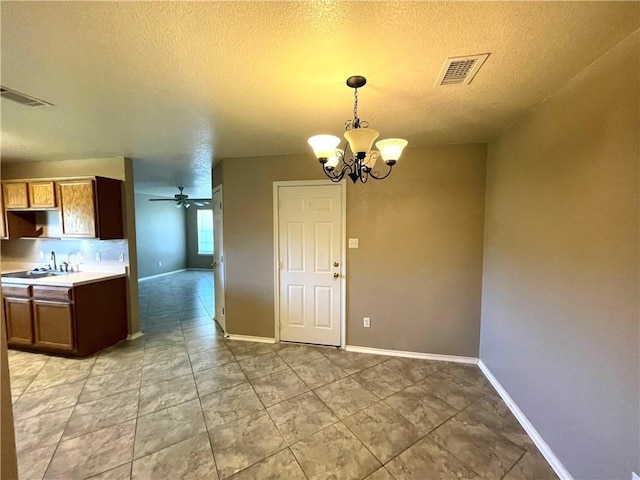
[[17, 314], [76, 321], [53, 325]]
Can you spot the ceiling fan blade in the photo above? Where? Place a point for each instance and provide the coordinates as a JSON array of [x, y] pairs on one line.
[[197, 204], [162, 199], [205, 200]]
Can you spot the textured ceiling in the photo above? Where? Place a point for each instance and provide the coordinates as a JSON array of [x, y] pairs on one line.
[[174, 85]]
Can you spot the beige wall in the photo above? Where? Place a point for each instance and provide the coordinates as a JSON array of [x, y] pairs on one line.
[[418, 270], [103, 167], [161, 236], [560, 327]]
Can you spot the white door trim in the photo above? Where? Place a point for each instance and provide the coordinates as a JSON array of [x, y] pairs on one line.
[[224, 263], [343, 253]]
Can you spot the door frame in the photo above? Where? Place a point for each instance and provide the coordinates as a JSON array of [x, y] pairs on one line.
[[223, 263], [343, 253]]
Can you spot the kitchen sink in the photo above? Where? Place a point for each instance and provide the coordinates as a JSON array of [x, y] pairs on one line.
[[34, 274]]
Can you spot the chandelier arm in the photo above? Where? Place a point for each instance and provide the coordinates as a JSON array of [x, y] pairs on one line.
[[333, 175], [375, 176]]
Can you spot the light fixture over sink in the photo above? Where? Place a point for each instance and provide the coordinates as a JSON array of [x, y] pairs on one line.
[[359, 165]]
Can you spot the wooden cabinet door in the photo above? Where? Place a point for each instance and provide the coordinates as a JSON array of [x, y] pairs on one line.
[[53, 325], [15, 195], [77, 208], [42, 194], [17, 314]]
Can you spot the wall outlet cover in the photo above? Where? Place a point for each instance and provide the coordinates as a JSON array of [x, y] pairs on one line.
[[98, 257], [366, 322], [160, 263], [41, 254], [121, 258], [354, 242]]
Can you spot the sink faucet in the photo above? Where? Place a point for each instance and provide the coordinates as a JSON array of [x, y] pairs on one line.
[[53, 258]]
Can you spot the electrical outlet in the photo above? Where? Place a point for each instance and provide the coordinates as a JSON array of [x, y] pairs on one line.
[[121, 258], [160, 263], [366, 322], [41, 254], [98, 257], [354, 242]]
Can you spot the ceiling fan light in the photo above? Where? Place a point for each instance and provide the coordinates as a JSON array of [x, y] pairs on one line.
[[391, 148], [177, 205], [361, 139], [324, 146], [187, 205]]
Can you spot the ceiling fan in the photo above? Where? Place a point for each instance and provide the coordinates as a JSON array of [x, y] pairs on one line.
[[182, 200]]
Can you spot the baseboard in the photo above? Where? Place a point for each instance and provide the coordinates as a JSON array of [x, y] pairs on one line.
[[150, 277], [555, 463], [133, 336], [400, 353], [249, 338], [200, 269]]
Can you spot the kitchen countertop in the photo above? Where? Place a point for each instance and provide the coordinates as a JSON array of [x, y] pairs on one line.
[[69, 280]]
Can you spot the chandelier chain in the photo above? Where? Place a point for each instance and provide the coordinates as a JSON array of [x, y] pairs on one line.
[[355, 104]]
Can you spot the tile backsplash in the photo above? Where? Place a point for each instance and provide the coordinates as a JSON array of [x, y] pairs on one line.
[[89, 254]]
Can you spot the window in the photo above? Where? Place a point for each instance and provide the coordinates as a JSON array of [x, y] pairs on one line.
[[205, 232]]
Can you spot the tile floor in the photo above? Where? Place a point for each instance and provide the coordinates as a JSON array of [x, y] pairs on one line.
[[184, 403]]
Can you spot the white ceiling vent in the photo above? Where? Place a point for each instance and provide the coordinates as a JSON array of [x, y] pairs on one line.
[[460, 70], [22, 98]]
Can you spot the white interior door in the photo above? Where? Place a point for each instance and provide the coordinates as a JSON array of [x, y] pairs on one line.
[[310, 256], [218, 258]]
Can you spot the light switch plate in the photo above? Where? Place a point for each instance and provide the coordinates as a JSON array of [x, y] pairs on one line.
[[121, 258], [353, 242], [98, 257]]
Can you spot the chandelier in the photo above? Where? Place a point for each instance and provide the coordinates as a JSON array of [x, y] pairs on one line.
[[360, 163]]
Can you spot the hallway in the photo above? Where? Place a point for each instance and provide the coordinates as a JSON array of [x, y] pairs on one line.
[[183, 402]]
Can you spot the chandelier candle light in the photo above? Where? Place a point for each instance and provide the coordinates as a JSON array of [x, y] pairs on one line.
[[336, 163]]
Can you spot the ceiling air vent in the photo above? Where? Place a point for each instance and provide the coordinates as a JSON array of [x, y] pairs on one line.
[[460, 70], [22, 98]]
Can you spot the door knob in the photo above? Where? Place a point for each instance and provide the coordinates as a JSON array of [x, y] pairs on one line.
[[336, 264], [214, 265], [336, 275]]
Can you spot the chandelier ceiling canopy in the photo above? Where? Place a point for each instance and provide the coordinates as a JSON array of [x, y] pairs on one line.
[[360, 163]]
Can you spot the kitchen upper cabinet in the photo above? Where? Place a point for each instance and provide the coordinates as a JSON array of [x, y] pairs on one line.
[[42, 194], [91, 208], [32, 195], [78, 208], [15, 195]]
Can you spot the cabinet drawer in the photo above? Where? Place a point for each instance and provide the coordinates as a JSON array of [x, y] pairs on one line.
[[20, 291], [63, 294]]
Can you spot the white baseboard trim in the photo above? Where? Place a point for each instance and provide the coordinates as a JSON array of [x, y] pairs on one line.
[[150, 277], [200, 269], [249, 338], [555, 463], [133, 336], [400, 353]]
